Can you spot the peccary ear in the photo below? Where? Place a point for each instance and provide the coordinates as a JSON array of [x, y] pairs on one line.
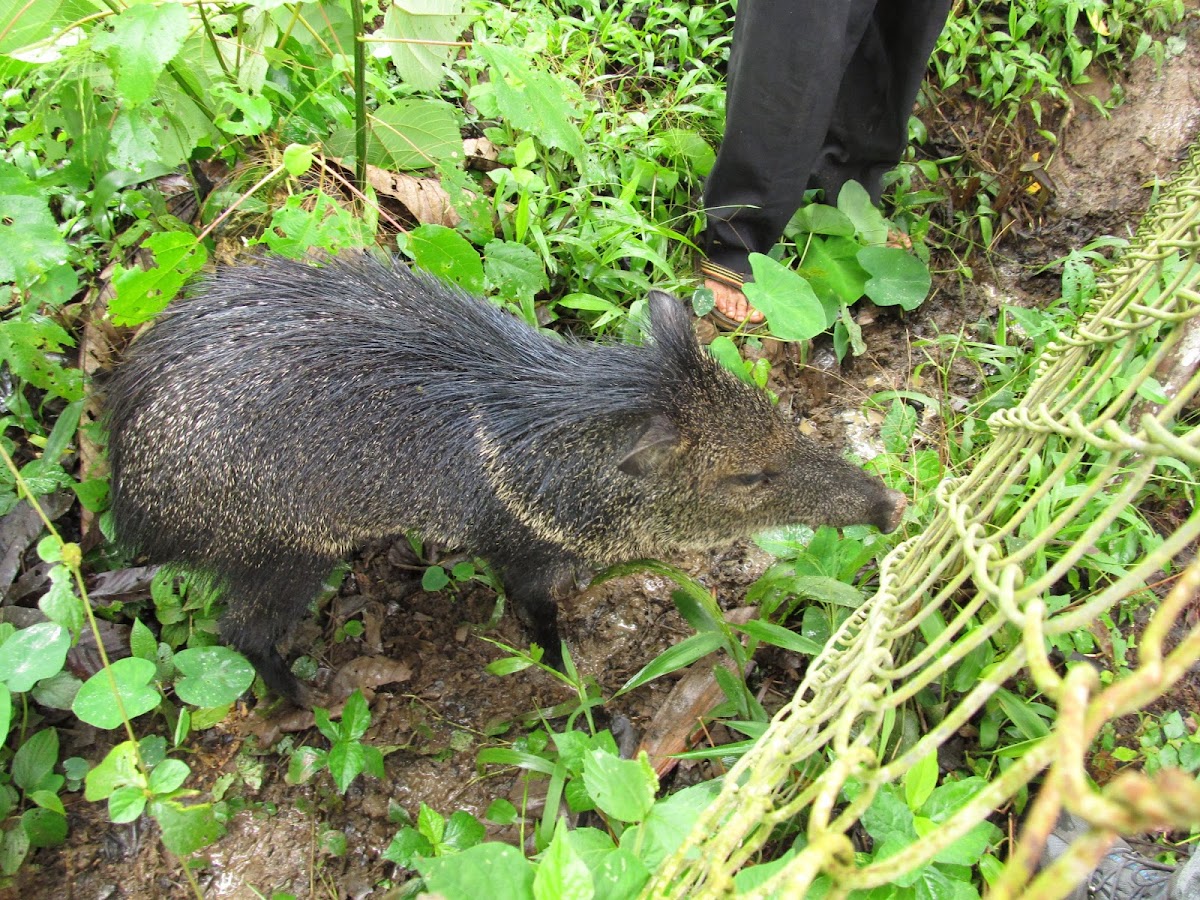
[[669, 319], [653, 448]]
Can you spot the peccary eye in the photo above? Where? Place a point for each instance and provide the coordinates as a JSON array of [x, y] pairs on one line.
[[749, 479]]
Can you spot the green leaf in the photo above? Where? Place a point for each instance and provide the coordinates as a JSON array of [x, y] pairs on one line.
[[142, 642], [30, 243], [463, 830], [126, 804], [14, 847], [536, 102], [685, 146], [675, 658], [920, 781], [304, 763], [95, 704], [869, 223], [34, 760], [778, 636], [431, 823], [447, 254], [898, 427], [32, 654], [297, 159], [44, 827], [142, 41], [422, 33], [169, 775], [787, 300], [406, 846], [118, 769], [562, 875], [897, 277], [212, 676], [346, 762], [414, 134], [492, 870], [514, 271], [356, 716], [725, 351], [820, 218], [295, 229], [185, 829], [141, 294], [623, 788], [831, 267], [1028, 722], [5, 712], [434, 579]]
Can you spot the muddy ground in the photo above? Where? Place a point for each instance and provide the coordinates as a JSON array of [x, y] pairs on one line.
[[442, 707]]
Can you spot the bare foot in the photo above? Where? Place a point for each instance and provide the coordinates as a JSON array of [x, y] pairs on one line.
[[897, 238], [732, 303]]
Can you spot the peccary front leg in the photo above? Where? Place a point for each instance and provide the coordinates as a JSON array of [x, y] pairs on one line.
[[534, 582], [265, 603]]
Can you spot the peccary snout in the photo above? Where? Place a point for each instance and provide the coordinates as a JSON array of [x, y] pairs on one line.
[[284, 414]]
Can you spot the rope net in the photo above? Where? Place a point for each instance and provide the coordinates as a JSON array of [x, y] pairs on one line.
[[1108, 407]]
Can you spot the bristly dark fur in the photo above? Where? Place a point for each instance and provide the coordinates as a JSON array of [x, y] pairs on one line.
[[285, 413]]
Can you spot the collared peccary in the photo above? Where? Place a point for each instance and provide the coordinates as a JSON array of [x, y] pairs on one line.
[[284, 414]]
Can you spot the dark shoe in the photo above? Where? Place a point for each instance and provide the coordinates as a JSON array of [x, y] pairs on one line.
[[1123, 873]]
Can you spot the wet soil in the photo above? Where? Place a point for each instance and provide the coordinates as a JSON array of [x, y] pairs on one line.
[[434, 711]]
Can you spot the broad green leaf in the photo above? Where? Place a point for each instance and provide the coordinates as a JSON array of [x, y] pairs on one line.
[[296, 230], [787, 300], [920, 781], [422, 33], [463, 830], [126, 804], [44, 827], [5, 712], [30, 243], [96, 705], [897, 277], [346, 762], [831, 267], [623, 788], [447, 254], [406, 847], [32, 654], [142, 41], [169, 775], [668, 823], [212, 676], [185, 829], [725, 351], [869, 223], [118, 769], [683, 145], [513, 270], [491, 870], [820, 218], [536, 102], [35, 759], [562, 875], [141, 294], [142, 642], [415, 134], [356, 717]]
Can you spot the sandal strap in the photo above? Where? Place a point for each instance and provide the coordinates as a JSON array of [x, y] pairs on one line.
[[727, 277]]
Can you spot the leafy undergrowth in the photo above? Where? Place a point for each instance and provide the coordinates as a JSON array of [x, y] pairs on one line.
[[143, 142]]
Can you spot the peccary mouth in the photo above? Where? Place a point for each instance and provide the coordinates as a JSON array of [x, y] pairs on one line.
[[890, 511]]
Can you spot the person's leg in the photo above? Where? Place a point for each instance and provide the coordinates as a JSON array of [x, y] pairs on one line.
[[868, 131], [785, 64]]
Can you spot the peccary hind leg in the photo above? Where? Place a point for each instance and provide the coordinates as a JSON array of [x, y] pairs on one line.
[[265, 603]]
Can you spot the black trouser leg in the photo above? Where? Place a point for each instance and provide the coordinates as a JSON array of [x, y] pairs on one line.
[[868, 131], [819, 91]]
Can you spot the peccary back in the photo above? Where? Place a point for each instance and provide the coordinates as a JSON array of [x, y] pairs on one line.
[[286, 413]]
